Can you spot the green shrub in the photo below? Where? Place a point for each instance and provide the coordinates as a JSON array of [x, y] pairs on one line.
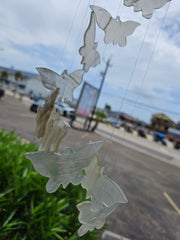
[[27, 211]]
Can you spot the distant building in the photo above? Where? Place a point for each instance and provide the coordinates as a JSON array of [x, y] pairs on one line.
[[178, 125], [34, 86], [160, 122], [30, 83], [122, 116]]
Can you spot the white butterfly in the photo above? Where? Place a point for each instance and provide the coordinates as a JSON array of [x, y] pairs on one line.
[[101, 189], [66, 82], [88, 51], [55, 130], [63, 168], [44, 113], [115, 30], [91, 219], [146, 6], [105, 195]]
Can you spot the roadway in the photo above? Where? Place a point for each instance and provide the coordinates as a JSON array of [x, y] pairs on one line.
[[144, 178]]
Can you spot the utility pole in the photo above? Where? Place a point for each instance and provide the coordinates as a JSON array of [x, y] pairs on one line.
[[103, 74]]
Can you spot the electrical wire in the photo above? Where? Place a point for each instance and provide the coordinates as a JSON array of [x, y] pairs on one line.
[[151, 57]]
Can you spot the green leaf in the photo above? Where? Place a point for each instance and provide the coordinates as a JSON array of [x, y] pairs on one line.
[[73, 237], [57, 229], [9, 218], [6, 192], [58, 236]]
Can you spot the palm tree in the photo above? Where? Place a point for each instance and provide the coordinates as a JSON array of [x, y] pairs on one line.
[[107, 108], [99, 117], [18, 76], [3, 76]]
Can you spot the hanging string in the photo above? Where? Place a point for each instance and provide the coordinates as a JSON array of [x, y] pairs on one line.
[[105, 151], [130, 80], [152, 54], [81, 34], [133, 71], [105, 48], [70, 30]]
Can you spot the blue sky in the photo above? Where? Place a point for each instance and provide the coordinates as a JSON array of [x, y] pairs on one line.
[[145, 75]]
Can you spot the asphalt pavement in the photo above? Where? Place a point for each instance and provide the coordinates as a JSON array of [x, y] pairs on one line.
[[149, 214]]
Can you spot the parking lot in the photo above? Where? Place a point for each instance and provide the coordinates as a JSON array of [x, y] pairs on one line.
[[145, 179]]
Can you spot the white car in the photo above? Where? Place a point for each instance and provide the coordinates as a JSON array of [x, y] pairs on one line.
[[115, 122], [65, 109]]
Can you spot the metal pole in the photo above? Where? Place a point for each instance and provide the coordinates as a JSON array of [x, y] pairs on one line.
[[103, 74]]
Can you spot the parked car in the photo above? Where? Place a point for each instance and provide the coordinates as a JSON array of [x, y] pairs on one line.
[[1, 92], [117, 124], [65, 109], [114, 122], [36, 104]]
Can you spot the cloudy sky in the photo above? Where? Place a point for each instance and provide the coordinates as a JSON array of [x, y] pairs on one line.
[[144, 77]]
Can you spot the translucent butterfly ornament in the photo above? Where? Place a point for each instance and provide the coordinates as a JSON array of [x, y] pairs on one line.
[[65, 82], [92, 219], [100, 188], [55, 131], [44, 113], [63, 168], [105, 196], [88, 51], [115, 30], [146, 6]]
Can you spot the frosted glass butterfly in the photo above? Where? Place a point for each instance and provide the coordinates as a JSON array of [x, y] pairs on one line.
[[146, 6], [115, 30], [88, 51], [63, 168], [101, 189], [44, 112], [65, 82], [55, 130], [91, 219]]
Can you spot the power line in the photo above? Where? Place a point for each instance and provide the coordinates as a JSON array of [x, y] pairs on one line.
[[141, 104]]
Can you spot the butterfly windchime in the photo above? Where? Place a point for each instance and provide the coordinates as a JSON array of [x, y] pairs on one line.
[[67, 167]]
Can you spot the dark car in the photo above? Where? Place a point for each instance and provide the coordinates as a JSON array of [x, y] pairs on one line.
[[36, 104], [1, 92]]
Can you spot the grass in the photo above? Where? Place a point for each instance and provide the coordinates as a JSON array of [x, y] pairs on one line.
[[27, 211]]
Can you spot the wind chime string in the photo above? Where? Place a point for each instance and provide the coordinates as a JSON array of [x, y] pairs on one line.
[[145, 74], [151, 57], [69, 32]]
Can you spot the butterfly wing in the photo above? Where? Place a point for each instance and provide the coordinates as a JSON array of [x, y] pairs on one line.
[[81, 159], [91, 219], [146, 6], [71, 81], [48, 78], [52, 165], [88, 51], [107, 192], [45, 163], [115, 30], [89, 35], [102, 16]]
